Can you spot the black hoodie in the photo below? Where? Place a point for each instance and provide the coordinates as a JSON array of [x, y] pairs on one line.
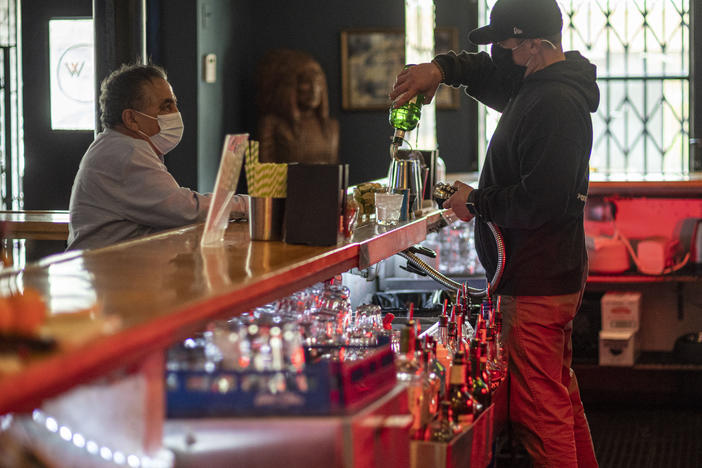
[[534, 183]]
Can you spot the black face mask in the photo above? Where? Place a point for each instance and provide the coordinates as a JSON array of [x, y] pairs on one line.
[[503, 60]]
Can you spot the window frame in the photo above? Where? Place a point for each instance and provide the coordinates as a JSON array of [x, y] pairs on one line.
[[695, 94], [695, 84]]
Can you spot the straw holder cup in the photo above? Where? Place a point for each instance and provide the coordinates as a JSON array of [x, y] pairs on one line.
[[266, 215]]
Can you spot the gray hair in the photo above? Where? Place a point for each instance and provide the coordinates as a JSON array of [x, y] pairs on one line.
[[124, 89]]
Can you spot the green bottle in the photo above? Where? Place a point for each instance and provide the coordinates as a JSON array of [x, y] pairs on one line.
[[404, 119]]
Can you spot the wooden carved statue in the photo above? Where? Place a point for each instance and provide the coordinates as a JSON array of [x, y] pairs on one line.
[[294, 122]]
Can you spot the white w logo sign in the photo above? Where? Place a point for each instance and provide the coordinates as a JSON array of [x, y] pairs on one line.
[[74, 68]]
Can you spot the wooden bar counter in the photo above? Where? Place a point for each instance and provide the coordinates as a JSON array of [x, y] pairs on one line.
[[163, 288], [35, 224]]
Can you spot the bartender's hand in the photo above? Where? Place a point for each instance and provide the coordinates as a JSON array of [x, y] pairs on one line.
[[423, 78], [458, 200]]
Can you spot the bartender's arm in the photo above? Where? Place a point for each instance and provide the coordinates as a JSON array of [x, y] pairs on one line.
[[475, 71]]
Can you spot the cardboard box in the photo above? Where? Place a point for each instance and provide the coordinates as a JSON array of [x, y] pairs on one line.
[[619, 347], [621, 310]]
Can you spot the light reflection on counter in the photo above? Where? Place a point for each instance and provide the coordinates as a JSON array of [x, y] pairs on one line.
[[71, 287]]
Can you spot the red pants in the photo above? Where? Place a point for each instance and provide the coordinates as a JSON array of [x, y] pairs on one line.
[[545, 410]]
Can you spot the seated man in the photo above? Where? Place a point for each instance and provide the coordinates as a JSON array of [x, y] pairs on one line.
[[123, 189]]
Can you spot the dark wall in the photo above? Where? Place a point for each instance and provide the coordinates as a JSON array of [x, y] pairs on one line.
[[223, 31], [315, 26], [174, 46], [181, 33], [457, 131], [241, 32]]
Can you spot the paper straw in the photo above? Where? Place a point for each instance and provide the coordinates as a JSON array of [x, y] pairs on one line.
[[265, 179], [251, 161], [271, 180]]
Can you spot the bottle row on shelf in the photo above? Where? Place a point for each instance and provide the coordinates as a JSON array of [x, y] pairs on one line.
[[453, 369]]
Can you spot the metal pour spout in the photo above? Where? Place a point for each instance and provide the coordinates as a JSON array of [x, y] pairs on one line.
[[397, 139]]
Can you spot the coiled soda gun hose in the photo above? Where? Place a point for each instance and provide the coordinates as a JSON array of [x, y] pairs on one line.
[[441, 193]]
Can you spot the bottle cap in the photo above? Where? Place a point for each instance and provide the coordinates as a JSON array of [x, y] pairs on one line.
[[387, 321]]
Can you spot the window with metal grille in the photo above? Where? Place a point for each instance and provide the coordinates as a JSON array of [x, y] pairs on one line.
[[642, 52]]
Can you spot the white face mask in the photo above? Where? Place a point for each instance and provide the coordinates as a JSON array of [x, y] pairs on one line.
[[171, 132]]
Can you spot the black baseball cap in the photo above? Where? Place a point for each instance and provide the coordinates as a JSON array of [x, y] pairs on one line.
[[526, 19]]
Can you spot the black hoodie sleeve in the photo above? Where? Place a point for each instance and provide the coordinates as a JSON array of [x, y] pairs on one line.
[[553, 153], [478, 74]]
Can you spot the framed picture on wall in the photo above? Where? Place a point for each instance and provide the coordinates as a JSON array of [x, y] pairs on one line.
[[370, 60]]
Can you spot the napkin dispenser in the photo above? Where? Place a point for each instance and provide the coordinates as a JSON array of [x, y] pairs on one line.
[[315, 204]]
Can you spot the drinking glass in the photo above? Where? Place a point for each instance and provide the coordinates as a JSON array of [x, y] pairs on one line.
[[387, 208]]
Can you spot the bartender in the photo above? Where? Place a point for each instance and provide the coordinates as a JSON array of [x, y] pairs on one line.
[[533, 186], [123, 189]]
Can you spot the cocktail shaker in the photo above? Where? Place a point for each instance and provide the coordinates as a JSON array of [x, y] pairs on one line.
[[407, 174]]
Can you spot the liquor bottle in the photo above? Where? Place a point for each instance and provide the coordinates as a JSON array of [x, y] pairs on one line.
[[467, 331], [452, 333], [427, 386], [459, 344], [443, 353], [406, 365], [433, 379], [480, 325], [404, 119], [437, 367], [459, 303], [473, 312], [480, 389], [443, 329], [442, 428], [416, 395], [470, 383], [502, 356], [412, 340], [483, 363], [462, 402], [494, 361]]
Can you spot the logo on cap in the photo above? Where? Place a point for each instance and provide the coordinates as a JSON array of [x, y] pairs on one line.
[[518, 31]]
